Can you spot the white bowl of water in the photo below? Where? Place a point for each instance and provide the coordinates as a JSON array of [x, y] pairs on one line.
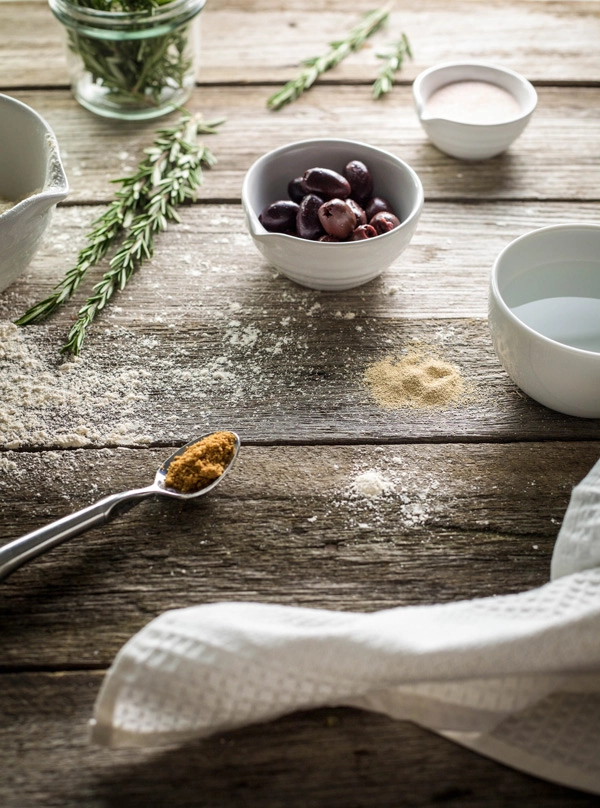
[[544, 316]]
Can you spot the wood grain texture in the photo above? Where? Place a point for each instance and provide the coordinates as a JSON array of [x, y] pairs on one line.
[[207, 336], [248, 42], [207, 267], [330, 758], [286, 526], [556, 158]]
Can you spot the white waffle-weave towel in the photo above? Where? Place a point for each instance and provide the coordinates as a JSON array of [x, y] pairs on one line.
[[514, 677]]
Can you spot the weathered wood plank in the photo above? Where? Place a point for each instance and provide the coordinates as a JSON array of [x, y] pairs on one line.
[[330, 758], [134, 388], [555, 158], [266, 41], [208, 264], [287, 526], [206, 334]]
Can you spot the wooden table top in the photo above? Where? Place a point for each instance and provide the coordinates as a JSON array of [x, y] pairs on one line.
[[206, 336]]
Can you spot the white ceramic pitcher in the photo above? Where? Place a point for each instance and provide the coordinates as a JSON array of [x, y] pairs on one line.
[[31, 176]]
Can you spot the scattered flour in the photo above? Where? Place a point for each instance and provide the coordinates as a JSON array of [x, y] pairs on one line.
[[371, 484], [49, 401], [375, 496]]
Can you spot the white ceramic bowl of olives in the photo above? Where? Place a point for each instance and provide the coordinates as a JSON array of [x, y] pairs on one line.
[[331, 214]]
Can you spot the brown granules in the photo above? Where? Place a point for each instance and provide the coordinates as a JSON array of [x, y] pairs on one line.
[[415, 380], [201, 463]]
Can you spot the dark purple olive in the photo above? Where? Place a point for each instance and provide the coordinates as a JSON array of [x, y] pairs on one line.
[[326, 183], [308, 224], [296, 190], [384, 222], [362, 232], [337, 218], [280, 216], [361, 216], [360, 179], [329, 239], [377, 204]]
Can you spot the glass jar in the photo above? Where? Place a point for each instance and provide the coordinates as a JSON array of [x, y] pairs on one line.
[[131, 64]]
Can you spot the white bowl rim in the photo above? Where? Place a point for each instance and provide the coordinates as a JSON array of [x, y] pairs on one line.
[[57, 188], [260, 231], [506, 310], [495, 68]]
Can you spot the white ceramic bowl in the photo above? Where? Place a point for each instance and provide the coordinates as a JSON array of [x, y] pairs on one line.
[[32, 175], [331, 266], [544, 316], [473, 141]]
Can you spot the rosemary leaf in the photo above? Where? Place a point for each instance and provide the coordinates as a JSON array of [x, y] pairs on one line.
[[169, 175], [338, 50], [393, 60], [106, 228]]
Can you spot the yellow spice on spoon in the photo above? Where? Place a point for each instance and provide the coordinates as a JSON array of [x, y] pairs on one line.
[[201, 463]]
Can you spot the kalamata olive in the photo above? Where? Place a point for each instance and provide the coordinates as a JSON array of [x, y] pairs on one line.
[[384, 222], [361, 216], [362, 232], [296, 190], [377, 204], [360, 179], [337, 218], [326, 183], [308, 224], [280, 216], [329, 239]]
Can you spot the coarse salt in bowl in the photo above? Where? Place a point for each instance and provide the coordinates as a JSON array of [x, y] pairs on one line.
[[473, 110], [331, 266], [544, 316]]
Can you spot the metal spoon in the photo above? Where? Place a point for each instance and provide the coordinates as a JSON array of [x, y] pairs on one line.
[[18, 552]]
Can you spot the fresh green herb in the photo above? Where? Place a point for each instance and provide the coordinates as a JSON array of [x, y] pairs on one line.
[[107, 227], [314, 67], [170, 174], [134, 70], [393, 60]]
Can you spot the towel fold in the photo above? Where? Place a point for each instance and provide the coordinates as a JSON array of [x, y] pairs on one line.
[[515, 677]]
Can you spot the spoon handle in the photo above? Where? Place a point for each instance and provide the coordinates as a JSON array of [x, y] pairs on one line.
[[18, 552]]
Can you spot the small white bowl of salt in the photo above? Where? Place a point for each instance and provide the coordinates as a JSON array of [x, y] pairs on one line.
[[473, 110]]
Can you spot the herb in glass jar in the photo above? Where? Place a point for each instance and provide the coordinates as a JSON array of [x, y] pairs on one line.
[[130, 59]]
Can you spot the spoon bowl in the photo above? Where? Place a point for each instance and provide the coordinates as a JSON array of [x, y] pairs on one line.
[[16, 553], [159, 487]]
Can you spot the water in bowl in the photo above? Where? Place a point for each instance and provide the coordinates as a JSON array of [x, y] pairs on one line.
[[560, 300]]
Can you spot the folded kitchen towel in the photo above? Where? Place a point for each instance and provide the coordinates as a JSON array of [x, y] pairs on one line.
[[514, 677]]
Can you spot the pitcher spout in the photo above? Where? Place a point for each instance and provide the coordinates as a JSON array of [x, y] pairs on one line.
[[32, 181]]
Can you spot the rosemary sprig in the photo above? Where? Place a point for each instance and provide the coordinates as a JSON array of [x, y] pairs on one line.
[[170, 174], [317, 65], [107, 227], [393, 60]]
